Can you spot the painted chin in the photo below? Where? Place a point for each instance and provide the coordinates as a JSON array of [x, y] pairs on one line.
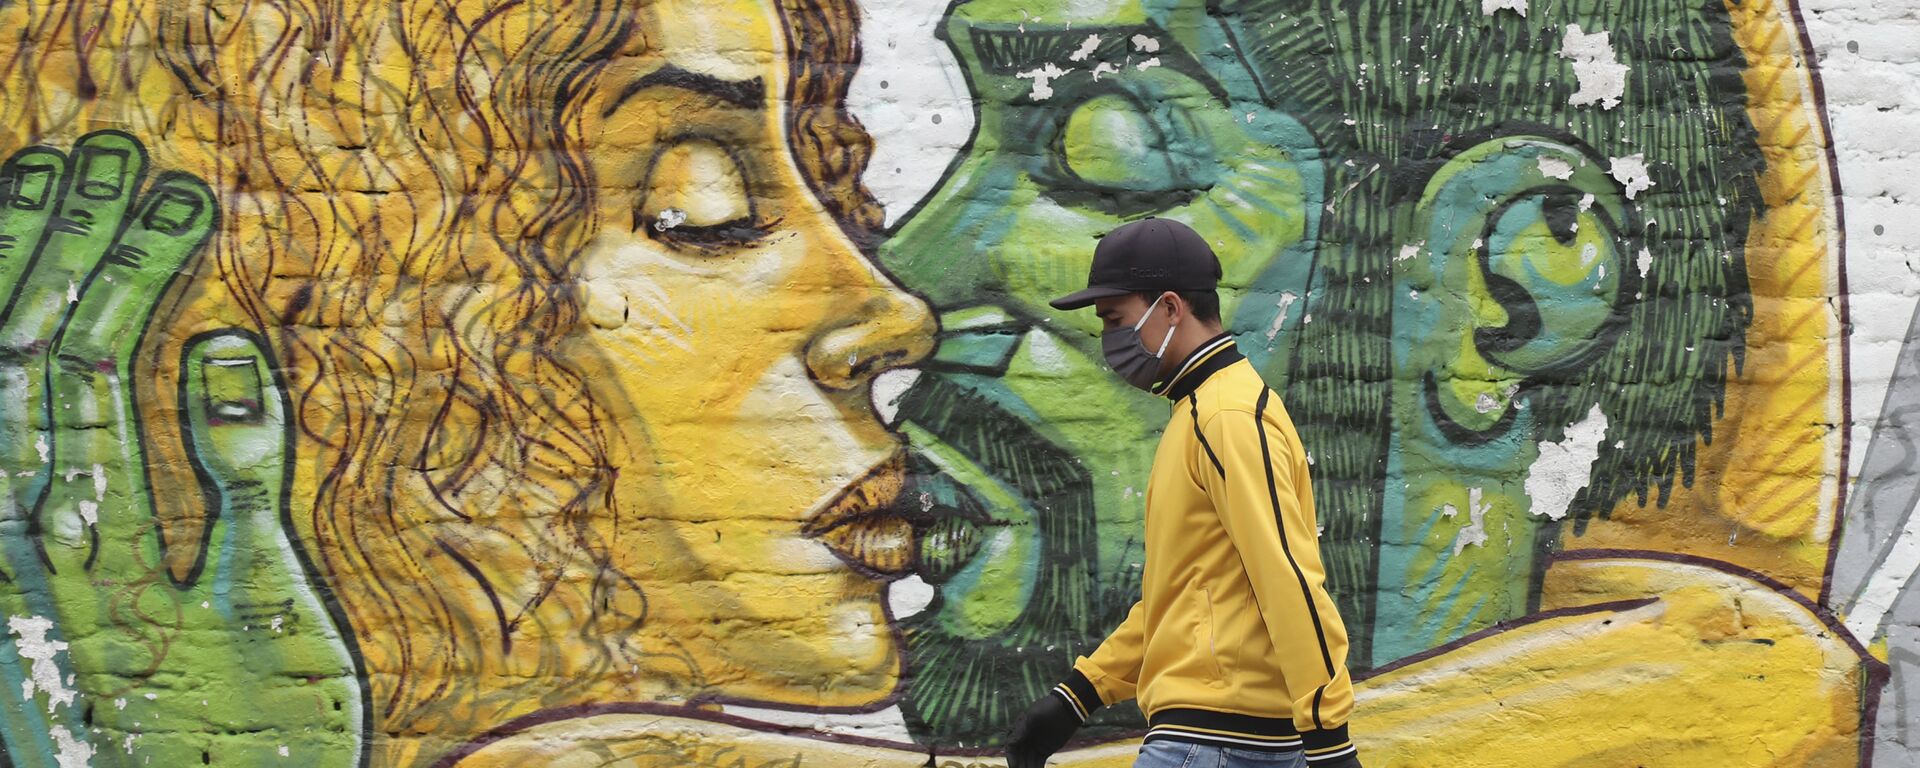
[[865, 659]]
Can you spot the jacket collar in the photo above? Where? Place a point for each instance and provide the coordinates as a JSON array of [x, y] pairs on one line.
[[1219, 352]]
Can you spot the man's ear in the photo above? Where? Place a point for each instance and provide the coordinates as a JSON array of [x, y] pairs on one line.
[[1523, 251], [1173, 305]]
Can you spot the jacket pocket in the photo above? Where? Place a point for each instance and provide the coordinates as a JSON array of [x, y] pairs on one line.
[[1208, 642]]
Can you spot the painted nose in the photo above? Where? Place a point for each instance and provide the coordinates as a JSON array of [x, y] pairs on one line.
[[883, 327]]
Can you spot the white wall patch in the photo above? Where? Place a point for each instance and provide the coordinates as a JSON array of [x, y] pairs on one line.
[[1555, 168], [1488, 7], [1564, 468], [1631, 171], [1042, 77], [1087, 47], [1603, 79], [30, 633], [1475, 534]]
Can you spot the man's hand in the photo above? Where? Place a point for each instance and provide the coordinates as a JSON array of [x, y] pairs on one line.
[[1041, 732]]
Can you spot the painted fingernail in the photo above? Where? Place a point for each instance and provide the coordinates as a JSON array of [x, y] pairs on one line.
[[34, 184], [231, 388], [102, 171], [172, 211]]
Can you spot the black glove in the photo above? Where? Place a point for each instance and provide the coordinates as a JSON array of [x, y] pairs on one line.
[[1042, 731], [1350, 761]]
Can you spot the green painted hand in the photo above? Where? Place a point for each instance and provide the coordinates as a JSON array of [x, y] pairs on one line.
[[105, 652]]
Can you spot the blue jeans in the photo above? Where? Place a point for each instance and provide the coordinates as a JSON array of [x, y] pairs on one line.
[[1173, 754]]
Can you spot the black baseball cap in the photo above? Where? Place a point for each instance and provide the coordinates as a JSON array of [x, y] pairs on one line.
[[1147, 255]]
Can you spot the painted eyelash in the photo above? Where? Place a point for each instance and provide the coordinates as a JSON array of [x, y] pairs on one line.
[[742, 231]]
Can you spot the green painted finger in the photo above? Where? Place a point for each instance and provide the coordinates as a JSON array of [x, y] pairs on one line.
[[105, 169], [99, 178], [253, 580], [31, 182], [173, 221], [96, 515], [236, 438]]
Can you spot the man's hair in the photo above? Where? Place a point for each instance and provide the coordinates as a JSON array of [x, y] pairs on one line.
[[1205, 304]]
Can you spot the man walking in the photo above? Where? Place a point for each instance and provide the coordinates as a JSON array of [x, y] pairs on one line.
[[1234, 651]]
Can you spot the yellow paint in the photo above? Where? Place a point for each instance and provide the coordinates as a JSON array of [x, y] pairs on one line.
[[1764, 495]]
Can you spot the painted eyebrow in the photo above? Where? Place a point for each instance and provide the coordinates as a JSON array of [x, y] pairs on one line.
[[749, 94]]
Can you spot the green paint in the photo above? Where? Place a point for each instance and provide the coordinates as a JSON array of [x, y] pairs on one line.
[[158, 664]]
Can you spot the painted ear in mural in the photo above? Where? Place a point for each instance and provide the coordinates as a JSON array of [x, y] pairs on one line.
[[1520, 253]]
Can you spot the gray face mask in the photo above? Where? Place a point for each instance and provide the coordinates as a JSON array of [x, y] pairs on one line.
[[1128, 355]]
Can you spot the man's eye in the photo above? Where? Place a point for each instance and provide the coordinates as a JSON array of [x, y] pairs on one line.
[[696, 194]]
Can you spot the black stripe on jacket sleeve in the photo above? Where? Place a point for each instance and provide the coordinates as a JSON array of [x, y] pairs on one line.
[[1279, 520], [1194, 408]]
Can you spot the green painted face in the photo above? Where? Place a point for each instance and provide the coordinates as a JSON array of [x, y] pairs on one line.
[[1030, 455], [1442, 281], [1083, 129]]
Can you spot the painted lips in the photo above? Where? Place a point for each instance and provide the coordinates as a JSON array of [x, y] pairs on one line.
[[862, 526]]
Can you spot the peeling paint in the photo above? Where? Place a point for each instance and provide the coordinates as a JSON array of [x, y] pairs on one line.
[[1087, 47], [73, 752], [1566, 466], [1631, 171], [34, 646], [1644, 261], [1556, 168], [1287, 298], [1475, 534], [1489, 7], [909, 596], [670, 218], [1104, 68], [1041, 78], [1603, 79], [1146, 44], [1148, 64]]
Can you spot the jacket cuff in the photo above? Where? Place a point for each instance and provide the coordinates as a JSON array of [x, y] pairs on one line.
[[1327, 745], [1080, 694]]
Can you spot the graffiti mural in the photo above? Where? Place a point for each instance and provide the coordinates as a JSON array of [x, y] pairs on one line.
[[541, 382]]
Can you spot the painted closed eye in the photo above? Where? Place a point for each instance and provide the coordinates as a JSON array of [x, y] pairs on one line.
[[1113, 152], [697, 199]]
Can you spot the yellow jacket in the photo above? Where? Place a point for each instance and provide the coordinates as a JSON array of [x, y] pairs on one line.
[[1235, 641]]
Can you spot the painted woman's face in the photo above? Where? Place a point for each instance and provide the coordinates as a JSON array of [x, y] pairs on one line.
[[740, 330]]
